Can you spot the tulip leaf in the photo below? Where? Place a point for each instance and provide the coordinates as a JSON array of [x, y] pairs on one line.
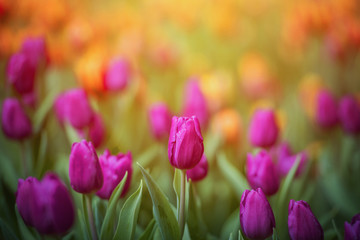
[[83, 225], [129, 215], [71, 134], [196, 225], [43, 110], [240, 236], [236, 179], [107, 226], [8, 174], [149, 231], [231, 225], [24, 230], [336, 230], [163, 213], [6, 232], [275, 235]]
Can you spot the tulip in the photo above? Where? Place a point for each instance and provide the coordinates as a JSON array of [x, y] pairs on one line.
[[352, 230], [261, 172], [35, 49], [160, 120], [256, 216], [97, 131], [114, 168], [195, 102], [186, 146], [200, 171], [302, 223], [84, 168], [15, 123], [263, 128], [117, 75], [45, 205], [20, 73], [349, 114], [326, 111]]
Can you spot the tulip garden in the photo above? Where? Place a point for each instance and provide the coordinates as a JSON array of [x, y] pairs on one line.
[[155, 119]]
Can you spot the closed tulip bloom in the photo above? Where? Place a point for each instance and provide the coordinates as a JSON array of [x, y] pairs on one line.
[[186, 146], [97, 131], [84, 168], [35, 49], [20, 73], [263, 128], [352, 230], [15, 123], [326, 111], [45, 205], [256, 216], [349, 114], [195, 102], [199, 172], [261, 172], [117, 75], [160, 120], [114, 168], [302, 223]]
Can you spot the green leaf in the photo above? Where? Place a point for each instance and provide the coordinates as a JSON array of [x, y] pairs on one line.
[[275, 235], [149, 231], [240, 236], [107, 226], [6, 231], [196, 225], [231, 225], [43, 110], [163, 213], [83, 225], [8, 173], [236, 179], [129, 215], [26, 233], [336, 230], [71, 134]]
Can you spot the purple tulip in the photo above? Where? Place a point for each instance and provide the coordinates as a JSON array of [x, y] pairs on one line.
[[256, 216], [326, 111], [84, 168], [74, 107], [186, 145], [352, 230], [263, 128], [35, 49], [261, 172], [349, 114], [302, 223], [195, 102], [114, 168], [199, 172], [15, 123], [97, 131], [20, 73], [117, 75], [45, 205], [160, 120]]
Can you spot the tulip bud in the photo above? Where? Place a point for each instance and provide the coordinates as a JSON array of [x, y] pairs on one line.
[[15, 123], [261, 172], [20, 73], [97, 131], [45, 205], [117, 75], [185, 147], [199, 172], [302, 223], [160, 120], [114, 168], [349, 114], [35, 49], [84, 168], [326, 112], [263, 128], [195, 102], [352, 230], [256, 216]]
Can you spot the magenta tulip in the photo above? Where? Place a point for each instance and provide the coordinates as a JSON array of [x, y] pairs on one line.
[[117, 75], [97, 131], [349, 114], [35, 49], [263, 128], [326, 111], [199, 172], [160, 120], [352, 230]]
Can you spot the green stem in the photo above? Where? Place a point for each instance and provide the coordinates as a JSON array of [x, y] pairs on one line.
[[181, 210], [91, 217], [23, 159]]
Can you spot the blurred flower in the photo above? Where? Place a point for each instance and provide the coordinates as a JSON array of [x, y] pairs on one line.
[[352, 230], [97, 130], [117, 75], [15, 123], [35, 50], [160, 120], [349, 114], [186, 146], [263, 128], [302, 222], [195, 102], [45, 205], [84, 168], [261, 172], [114, 168], [256, 216], [199, 172], [326, 109], [228, 123]]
